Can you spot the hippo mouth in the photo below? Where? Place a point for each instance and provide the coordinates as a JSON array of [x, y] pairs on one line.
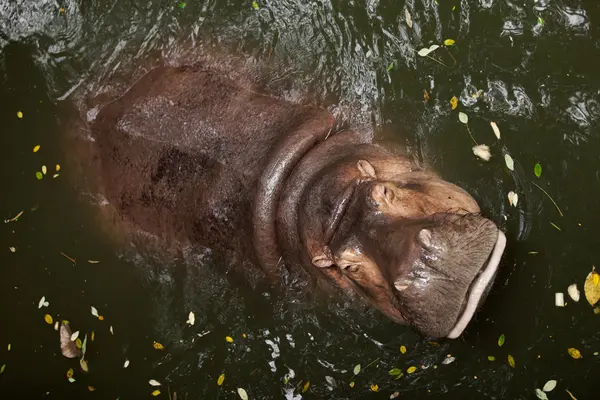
[[480, 287]]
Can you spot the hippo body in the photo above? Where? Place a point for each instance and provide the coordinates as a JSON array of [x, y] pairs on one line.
[[190, 156]]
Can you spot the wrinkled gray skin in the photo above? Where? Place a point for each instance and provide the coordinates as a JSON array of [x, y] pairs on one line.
[[192, 156]]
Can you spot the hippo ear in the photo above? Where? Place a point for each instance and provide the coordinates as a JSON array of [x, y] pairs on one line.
[[323, 259], [366, 169]]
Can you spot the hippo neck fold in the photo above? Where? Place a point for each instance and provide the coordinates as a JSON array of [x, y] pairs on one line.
[[284, 158]]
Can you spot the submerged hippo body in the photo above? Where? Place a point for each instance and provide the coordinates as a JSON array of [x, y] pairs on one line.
[[189, 155]]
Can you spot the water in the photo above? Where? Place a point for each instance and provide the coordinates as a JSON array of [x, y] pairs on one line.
[[533, 65]]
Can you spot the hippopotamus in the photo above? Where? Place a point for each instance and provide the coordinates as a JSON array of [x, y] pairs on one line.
[[189, 154]]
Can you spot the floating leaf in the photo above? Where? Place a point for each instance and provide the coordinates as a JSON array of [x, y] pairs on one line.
[[94, 311], [36, 148], [374, 387], [91, 388], [306, 387], [510, 163], [74, 336], [573, 352], [412, 369], [93, 336], [537, 170], [574, 292], [9, 347], [394, 395], [182, 4], [513, 198], [482, 151], [39, 175], [403, 349], [57, 167], [425, 51], [449, 42], [511, 361], [126, 363], [19, 114], [12, 249], [158, 346], [71, 380], [255, 5], [454, 102], [154, 382], [491, 358], [228, 339], [549, 386], [462, 117], [356, 369], [495, 129], [48, 319], [2, 368], [501, 340], [221, 379], [78, 343], [390, 67], [571, 394], [70, 373], [44, 169], [540, 21], [242, 393], [330, 381], [591, 288], [155, 393], [191, 318], [112, 332], [540, 395], [100, 317], [352, 384], [83, 364], [395, 371], [408, 18]]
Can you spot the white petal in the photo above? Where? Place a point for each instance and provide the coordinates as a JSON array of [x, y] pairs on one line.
[[71, 380], [153, 382], [74, 336], [462, 117], [41, 302], [574, 292], [126, 364], [482, 151], [408, 18], [513, 198], [559, 299], [495, 129], [191, 318], [549, 386], [540, 395], [243, 394], [510, 164], [94, 312], [111, 330], [423, 52]]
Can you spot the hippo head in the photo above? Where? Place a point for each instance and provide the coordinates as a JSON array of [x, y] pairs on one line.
[[413, 245]]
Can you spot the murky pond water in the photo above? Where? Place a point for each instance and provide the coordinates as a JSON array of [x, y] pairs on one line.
[[530, 66]]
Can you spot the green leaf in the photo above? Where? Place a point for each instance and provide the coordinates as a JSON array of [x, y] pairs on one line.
[[395, 371], [182, 4], [501, 340], [390, 67], [255, 5], [541, 21], [2, 368], [84, 346], [39, 175], [537, 170], [356, 369], [491, 358]]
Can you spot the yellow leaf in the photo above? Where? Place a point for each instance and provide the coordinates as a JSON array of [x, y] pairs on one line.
[[158, 346], [375, 387], [571, 394], [306, 386], [36, 148], [511, 361], [19, 114], [574, 353], [244, 335], [221, 379], [155, 393], [351, 384], [91, 388], [592, 288], [2, 368], [449, 42], [70, 373], [78, 343], [84, 366], [454, 102], [57, 167], [48, 319], [410, 370], [93, 336], [403, 349], [229, 339], [44, 169], [100, 317]]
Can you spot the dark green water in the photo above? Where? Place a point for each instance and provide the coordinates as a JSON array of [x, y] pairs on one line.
[[536, 64]]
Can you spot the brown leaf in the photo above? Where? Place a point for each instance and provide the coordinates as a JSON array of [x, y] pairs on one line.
[[592, 288]]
